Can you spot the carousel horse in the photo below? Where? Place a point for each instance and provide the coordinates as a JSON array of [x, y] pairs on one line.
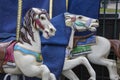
[[24, 56], [98, 54]]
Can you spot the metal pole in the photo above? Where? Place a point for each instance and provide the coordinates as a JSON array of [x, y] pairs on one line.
[[50, 8], [104, 20], [116, 17], [19, 19]]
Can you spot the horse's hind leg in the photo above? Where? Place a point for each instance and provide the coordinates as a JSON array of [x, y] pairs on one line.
[[110, 64], [112, 68], [70, 64]]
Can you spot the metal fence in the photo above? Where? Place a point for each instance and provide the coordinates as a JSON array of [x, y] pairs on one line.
[[110, 18]]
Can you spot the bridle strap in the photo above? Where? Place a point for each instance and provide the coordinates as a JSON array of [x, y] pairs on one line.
[[39, 24]]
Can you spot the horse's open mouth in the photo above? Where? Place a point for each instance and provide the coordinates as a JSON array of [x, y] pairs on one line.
[[47, 34]]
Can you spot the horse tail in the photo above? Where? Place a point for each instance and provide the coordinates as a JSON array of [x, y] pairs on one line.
[[115, 46]]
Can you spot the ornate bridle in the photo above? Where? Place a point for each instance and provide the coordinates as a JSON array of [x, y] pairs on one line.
[[79, 23]]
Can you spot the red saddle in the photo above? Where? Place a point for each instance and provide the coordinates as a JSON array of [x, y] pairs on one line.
[[6, 48]]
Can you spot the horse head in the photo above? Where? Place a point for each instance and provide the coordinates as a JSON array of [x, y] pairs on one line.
[[39, 19], [80, 22]]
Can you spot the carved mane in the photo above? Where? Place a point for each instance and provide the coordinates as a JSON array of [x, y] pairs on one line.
[[27, 26]]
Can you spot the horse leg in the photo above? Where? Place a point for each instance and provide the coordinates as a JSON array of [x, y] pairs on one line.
[[39, 71], [70, 75], [29, 67], [46, 75], [12, 70], [70, 64], [52, 76], [99, 55], [112, 68], [110, 64]]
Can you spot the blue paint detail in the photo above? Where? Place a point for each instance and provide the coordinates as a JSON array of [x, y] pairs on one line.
[[79, 24], [25, 51]]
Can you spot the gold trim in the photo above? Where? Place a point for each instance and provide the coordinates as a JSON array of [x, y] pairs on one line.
[[19, 15], [50, 8]]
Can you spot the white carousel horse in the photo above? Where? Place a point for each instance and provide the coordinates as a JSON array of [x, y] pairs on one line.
[[27, 51], [98, 55]]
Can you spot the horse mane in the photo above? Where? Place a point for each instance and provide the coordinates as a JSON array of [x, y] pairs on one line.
[[28, 20]]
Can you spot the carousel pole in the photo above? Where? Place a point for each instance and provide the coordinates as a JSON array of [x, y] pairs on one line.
[[19, 16], [50, 8], [66, 5]]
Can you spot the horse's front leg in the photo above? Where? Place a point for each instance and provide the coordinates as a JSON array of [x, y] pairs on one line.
[[70, 64], [29, 67]]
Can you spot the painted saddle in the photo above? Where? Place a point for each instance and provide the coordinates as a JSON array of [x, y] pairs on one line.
[[6, 54]]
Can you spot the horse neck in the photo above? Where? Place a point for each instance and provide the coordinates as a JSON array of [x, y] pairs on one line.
[[36, 44]]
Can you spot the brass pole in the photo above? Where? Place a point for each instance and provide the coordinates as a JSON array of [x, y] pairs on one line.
[[50, 8], [19, 15]]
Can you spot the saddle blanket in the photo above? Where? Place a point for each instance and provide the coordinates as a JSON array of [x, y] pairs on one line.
[[9, 58], [83, 46]]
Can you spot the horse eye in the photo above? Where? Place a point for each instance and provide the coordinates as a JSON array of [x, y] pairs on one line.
[[36, 16], [80, 17], [97, 21], [42, 18]]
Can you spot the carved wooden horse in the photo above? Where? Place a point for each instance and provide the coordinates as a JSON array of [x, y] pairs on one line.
[[99, 53], [27, 51]]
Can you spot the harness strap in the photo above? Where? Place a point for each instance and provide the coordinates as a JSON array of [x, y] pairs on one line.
[[38, 56], [70, 44]]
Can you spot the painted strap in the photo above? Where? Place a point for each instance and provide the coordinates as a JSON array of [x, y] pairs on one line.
[[88, 22], [38, 56], [80, 24]]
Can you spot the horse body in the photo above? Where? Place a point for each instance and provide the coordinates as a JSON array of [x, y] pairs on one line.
[[99, 54], [27, 51]]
